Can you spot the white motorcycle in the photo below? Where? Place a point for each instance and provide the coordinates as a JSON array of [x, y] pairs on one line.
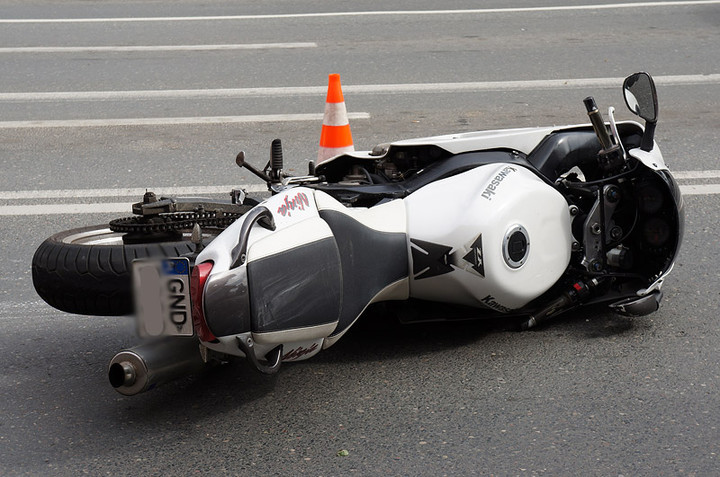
[[520, 223]]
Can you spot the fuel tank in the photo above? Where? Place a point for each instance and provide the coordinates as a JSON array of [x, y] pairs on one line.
[[496, 236]]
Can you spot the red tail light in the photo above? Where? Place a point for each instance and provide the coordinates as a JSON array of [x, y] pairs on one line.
[[198, 277]]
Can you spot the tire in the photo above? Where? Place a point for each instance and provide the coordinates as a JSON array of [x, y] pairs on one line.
[[87, 271]]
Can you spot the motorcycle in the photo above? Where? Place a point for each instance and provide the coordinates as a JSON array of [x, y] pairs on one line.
[[528, 223]]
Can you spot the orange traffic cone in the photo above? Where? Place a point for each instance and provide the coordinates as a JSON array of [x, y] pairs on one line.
[[335, 137]]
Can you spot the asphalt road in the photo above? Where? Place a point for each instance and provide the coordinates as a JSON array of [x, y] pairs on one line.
[[592, 393]]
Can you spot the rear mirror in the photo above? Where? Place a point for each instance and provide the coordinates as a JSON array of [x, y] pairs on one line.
[[641, 97]]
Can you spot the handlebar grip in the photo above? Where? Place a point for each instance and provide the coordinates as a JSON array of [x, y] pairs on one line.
[[598, 123]]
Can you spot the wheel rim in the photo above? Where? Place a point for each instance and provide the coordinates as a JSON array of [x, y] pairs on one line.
[[95, 237], [105, 236]]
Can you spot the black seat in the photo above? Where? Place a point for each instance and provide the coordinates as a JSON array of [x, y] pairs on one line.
[[370, 260]]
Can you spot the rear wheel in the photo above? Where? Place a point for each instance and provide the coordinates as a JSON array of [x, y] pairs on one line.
[[88, 270]]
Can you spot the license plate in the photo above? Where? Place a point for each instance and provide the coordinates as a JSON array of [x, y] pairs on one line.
[[162, 297]]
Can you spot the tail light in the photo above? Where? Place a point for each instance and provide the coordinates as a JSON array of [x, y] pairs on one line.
[[198, 277]]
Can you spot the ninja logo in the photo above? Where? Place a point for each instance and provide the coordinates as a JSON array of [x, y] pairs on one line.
[[298, 202], [298, 353]]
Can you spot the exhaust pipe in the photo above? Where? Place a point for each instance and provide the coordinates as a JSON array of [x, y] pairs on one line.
[[141, 368]]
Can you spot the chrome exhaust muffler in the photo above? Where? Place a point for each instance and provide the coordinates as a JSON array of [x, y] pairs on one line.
[[141, 368]]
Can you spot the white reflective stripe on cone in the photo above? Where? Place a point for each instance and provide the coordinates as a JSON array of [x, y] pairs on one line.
[[335, 114]]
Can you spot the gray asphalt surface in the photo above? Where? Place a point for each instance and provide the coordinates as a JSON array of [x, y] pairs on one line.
[[592, 393]]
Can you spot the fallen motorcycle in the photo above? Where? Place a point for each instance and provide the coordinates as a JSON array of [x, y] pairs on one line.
[[528, 223]]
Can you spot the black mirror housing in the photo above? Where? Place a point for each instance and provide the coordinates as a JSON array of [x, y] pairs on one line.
[[641, 99], [641, 96]]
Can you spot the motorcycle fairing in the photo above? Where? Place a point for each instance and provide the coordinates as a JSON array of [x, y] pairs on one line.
[[323, 265], [313, 276], [460, 247], [520, 139], [523, 140]]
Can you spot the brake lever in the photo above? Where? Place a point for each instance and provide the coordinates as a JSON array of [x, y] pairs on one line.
[[240, 161], [614, 131]]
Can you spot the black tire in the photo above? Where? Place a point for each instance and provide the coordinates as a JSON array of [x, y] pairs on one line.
[[87, 271]]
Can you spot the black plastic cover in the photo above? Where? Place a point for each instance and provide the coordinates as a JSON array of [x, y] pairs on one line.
[[296, 288], [371, 260]]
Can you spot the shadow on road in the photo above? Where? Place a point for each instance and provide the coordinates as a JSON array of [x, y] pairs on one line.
[[376, 340]]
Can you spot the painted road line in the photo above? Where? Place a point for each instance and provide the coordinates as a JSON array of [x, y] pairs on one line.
[[408, 88], [134, 49], [80, 123], [126, 207], [58, 209], [200, 190], [125, 192], [681, 175], [281, 16], [700, 189]]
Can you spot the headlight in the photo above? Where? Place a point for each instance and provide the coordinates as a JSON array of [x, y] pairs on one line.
[[656, 232], [650, 199]]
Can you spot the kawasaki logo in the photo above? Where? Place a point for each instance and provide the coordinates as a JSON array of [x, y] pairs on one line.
[[490, 301], [495, 183]]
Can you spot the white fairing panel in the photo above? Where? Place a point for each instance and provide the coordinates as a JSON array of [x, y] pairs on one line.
[[387, 217], [652, 159], [521, 139], [458, 229], [288, 208]]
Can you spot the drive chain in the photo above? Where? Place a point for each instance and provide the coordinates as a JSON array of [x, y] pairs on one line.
[[173, 222]]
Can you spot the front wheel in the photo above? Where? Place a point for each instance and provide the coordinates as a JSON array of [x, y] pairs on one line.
[[88, 270]]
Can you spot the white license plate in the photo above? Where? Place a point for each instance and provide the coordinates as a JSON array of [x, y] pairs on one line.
[[162, 297]]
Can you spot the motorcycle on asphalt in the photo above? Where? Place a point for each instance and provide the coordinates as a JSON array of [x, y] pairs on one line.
[[529, 223]]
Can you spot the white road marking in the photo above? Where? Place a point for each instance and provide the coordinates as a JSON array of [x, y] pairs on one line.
[[125, 207], [476, 11], [710, 174], [220, 189], [700, 189], [474, 86], [132, 49], [58, 209], [136, 192], [80, 123]]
